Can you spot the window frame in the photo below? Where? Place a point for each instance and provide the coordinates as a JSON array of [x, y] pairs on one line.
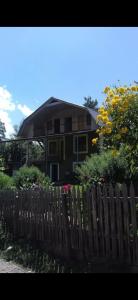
[[65, 119], [49, 154], [77, 136], [50, 121], [88, 118]]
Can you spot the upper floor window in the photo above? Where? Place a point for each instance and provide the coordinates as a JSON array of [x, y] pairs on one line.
[[49, 125], [68, 124], [80, 122], [88, 120], [57, 126], [80, 143]]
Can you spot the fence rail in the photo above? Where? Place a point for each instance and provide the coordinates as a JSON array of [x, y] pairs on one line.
[[100, 222]]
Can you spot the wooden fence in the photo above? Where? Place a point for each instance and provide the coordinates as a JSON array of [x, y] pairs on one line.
[[98, 223]]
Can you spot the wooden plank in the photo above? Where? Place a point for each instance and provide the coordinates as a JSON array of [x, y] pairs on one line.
[[133, 201], [101, 221], [119, 224], [66, 226], [106, 222], [126, 224], [112, 218], [94, 218], [90, 223], [80, 246]]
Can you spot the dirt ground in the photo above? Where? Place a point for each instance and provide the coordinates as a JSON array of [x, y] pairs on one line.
[[10, 267]]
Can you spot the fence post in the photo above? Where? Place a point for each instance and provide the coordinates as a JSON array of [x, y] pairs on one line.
[[66, 224]]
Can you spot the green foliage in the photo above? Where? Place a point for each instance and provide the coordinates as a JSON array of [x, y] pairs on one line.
[[2, 168], [30, 177], [6, 182], [103, 168], [89, 102]]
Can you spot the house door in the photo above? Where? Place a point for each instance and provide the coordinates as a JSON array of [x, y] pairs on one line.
[[54, 172]]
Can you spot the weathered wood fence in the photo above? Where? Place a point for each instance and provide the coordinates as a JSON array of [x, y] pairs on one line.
[[100, 222]]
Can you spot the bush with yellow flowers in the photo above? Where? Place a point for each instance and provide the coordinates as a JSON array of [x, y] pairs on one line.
[[118, 122]]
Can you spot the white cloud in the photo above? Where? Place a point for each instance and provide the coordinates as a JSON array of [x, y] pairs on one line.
[[6, 102], [4, 117], [7, 105], [25, 110]]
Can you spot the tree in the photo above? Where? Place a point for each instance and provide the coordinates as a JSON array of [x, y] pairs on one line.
[[89, 102], [118, 123], [14, 134], [2, 130]]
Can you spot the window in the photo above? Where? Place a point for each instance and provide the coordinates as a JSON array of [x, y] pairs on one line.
[[68, 124], [52, 147], [80, 122], [49, 125], [57, 125], [88, 120], [80, 143]]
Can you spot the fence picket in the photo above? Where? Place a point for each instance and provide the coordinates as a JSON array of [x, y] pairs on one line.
[[101, 222]]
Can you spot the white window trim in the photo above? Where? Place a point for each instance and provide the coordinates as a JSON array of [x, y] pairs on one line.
[[53, 163], [80, 135], [76, 163], [49, 147]]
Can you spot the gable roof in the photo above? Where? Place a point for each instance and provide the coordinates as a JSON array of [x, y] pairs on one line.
[[53, 102]]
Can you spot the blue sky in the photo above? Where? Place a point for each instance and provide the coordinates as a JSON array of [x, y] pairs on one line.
[[68, 63]]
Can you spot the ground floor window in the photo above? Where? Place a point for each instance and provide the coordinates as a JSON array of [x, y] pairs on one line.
[[80, 143], [54, 171]]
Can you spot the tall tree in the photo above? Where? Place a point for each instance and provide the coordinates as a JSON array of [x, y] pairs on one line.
[[118, 123], [14, 134], [89, 102], [2, 130]]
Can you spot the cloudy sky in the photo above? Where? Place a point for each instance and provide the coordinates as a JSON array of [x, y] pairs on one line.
[[67, 63]]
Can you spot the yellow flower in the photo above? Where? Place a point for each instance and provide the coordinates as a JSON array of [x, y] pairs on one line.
[[124, 130], [110, 94], [99, 117], [101, 109], [105, 119], [121, 109], [103, 130], [94, 141], [134, 88], [121, 90], [118, 136], [108, 130], [109, 123], [116, 97], [114, 101], [125, 104], [98, 130], [104, 113], [106, 89], [115, 152]]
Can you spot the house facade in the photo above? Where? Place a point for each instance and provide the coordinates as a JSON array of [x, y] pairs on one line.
[[67, 130]]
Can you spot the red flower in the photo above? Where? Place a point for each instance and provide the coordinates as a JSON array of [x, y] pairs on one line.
[[67, 188]]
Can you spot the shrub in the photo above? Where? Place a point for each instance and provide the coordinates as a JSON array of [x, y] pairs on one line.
[[103, 167], [6, 182], [30, 177]]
